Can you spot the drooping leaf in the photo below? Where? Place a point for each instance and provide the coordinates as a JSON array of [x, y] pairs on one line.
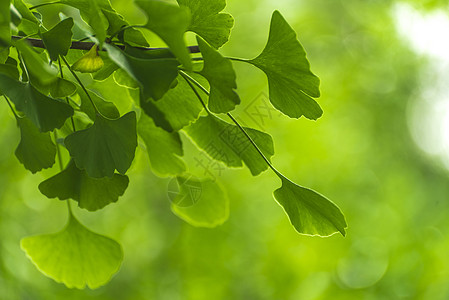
[[45, 112], [221, 76], [155, 76], [164, 148], [58, 40], [225, 142], [90, 62], [5, 19], [169, 22], [38, 68], [106, 108], [91, 193], [309, 212], [62, 88], [75, 256], [291, 83], [201, 203], [106, 146], [36, 150], [208, 22]]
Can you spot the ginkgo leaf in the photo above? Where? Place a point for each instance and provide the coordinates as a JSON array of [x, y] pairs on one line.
[[201, 203], [291, 83], [164, 148], [24, 12], [169, 22], [36, 150], [106, 108], [58, 40], [309, 212], [45, 112], [155, 76], [227, 143], [221, 76], [38, 69], [91, 193], [62, 88], [106, 146], [90, 62], [108, 69], [130, 35], [208, 22], [75, 256], [5, 18]]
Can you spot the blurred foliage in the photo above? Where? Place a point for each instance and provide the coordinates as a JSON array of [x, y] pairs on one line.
[[359, 154]]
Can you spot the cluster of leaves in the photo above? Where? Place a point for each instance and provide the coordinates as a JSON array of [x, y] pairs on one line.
[[172, 93]]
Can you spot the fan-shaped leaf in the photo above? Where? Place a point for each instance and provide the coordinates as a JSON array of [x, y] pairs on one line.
[[106, 146], [62, 88], [90, 62], [106, 108], [309, 212], [58, 39], [291, 83], [75, 256], [91, 193]]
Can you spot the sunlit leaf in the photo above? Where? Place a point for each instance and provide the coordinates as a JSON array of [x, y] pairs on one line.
[[62, 88], [106, 146], [90, 62], [45, 112], [169, 22], [24, 11], [221, 76], [75, 256], [291, 83], [58, 39], [225, 142], [36, 150], [91, 193], [208, 22], [201, 203], [164, 148], [155, 76], [309, 212]]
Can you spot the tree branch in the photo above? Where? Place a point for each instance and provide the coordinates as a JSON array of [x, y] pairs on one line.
[[38, 43]]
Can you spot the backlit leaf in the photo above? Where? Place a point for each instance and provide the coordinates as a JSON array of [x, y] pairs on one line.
[[291, 83], [106, 146], [90, 62], [45, 112], [36, 150], [106, 108], [309, 212], [221, 76], [208, 22], [169, 22], [58, 39], [75, 256], [201, 203], [91, 193], [62, 88], [5, 19], [225, 142], [164, 148]]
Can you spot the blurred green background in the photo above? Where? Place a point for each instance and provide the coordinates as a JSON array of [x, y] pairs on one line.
[[361, 154]]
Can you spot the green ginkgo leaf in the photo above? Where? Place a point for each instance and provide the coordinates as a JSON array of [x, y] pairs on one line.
[[106, 146], [45, 112], [227, 143], [5, 19], [221, 76], [155, 76], [208, 22], [309, 212], [164, 148], [106, 108], [90, 62], [75, 256], [201, 203], [291, 83], [58, 40], [36, 150], [62, 88], [169, 22], [91, 193]]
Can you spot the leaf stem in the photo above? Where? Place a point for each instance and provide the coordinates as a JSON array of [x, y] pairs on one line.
[[10, 106], [186, 76], [44, 4], [66, 98], [82, 85], [237, 59]]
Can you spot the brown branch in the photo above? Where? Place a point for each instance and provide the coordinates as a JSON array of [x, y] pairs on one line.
[[38, 43]]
